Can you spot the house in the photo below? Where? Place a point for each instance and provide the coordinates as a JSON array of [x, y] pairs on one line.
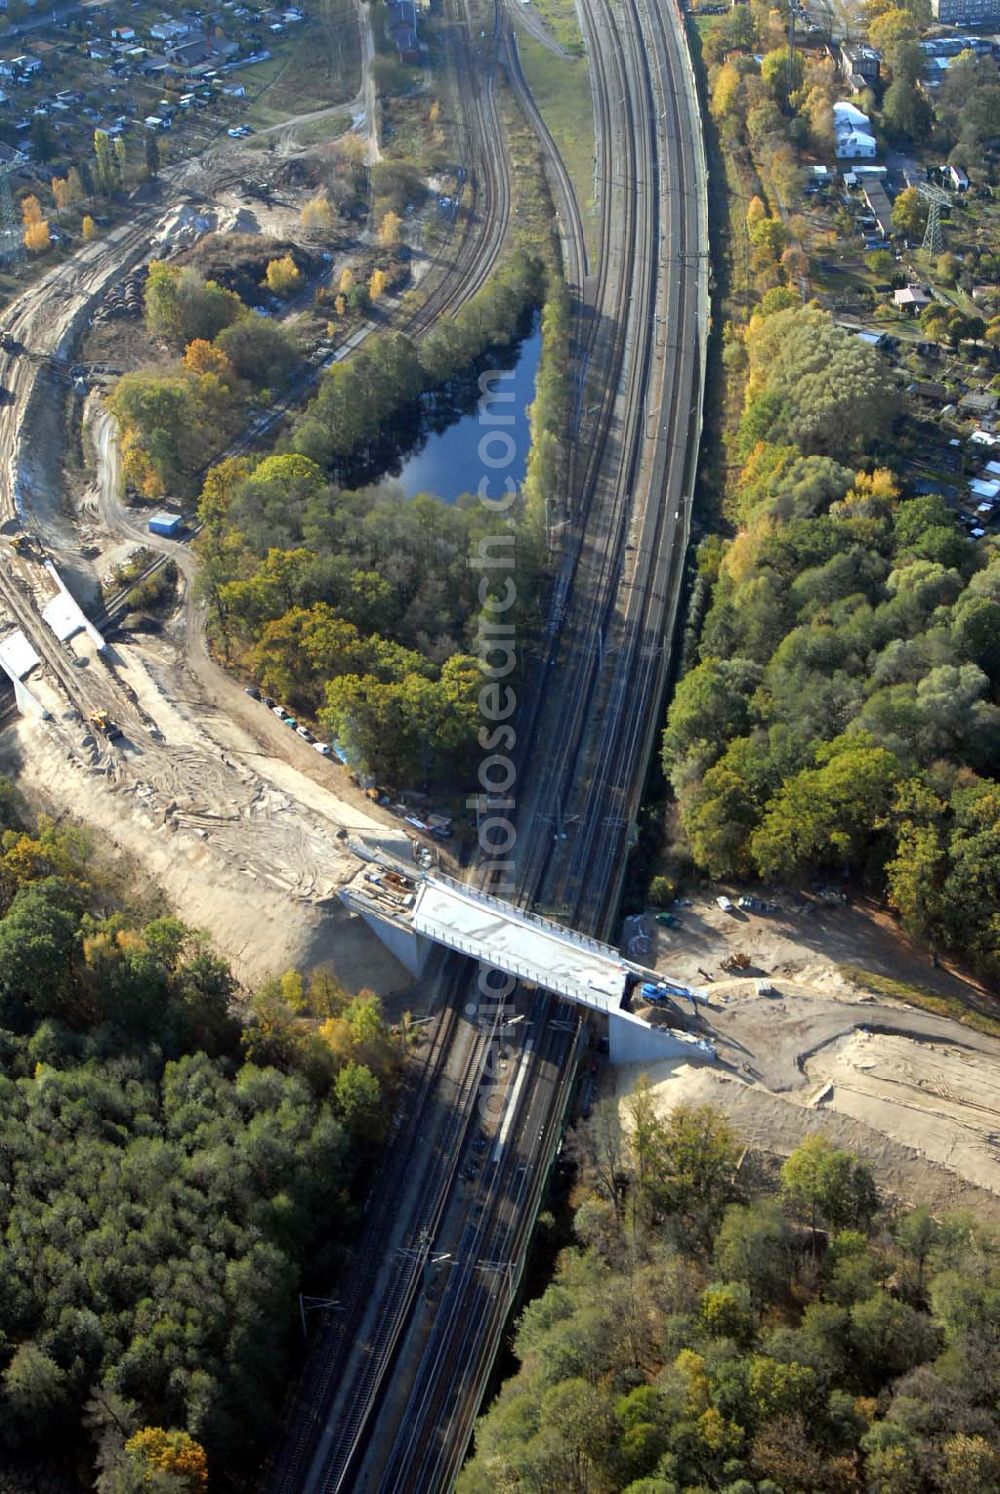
[[853, 133], [912, 299], [978, 402], [402, 27], [123, 33], [20, 67], [861, 66], [959, 180], [190, 53], [992, 469], [169, 31], [986, 492], [878, 205], [928, 390], [852, 145]]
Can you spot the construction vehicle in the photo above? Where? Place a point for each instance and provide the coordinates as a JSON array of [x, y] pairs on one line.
[[102, 722]]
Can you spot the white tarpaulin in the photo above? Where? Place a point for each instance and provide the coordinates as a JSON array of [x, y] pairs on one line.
[[17, 656]]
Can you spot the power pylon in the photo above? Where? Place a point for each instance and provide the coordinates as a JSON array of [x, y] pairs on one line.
[[936, 199]]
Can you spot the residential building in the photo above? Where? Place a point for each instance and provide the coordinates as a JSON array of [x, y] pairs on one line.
[[878, 205], [170, 31], [965, 12], [911, 299], [853, 133], [860, 65]]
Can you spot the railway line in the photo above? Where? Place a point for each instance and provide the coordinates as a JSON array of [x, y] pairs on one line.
[[616, 602]]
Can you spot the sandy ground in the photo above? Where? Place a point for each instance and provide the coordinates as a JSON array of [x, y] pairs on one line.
[[774, 1124], [208, 858], [947, 1096], [913, 1093], [802, 942]]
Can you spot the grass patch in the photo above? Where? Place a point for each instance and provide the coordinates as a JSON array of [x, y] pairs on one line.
[[969, 1013], [322, 131], [561, 89], [322, 66], [562, 23]]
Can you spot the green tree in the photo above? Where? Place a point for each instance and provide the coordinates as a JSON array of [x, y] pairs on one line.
[[827, 1186], [909, 213], [753, 1246], [34, 1386], [181, 306], [782, 72], [358, 1097]]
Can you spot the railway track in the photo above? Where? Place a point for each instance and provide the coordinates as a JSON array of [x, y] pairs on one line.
[[320, 1449], [621, 603]]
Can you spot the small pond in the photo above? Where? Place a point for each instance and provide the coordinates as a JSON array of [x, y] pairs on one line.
[[446, 458]]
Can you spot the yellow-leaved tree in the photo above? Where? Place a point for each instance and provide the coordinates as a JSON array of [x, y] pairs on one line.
[[318, 211], [377, 284], [203, 357], [390, 230], [283, 275], [177, 1453], [36, 228]]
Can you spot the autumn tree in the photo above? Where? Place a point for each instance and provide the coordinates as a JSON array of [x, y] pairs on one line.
[[204, 357], [377, 284], [37, 237], [909, 213], [389, 233], [172, 1452], [87, 228], [60, 193], [318, 211], [282, 276]]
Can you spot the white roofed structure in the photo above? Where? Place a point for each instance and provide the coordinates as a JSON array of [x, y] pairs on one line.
[[532, 948]]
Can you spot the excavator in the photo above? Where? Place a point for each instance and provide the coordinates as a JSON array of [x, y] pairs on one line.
[[102, 722]]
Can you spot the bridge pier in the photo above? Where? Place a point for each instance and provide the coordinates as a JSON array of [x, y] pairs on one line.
[[410, 948], [633, 1040]]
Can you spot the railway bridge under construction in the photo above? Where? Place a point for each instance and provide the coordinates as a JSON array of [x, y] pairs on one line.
[[412, 913]]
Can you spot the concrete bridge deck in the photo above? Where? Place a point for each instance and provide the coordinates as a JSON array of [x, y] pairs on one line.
[[412, 911]]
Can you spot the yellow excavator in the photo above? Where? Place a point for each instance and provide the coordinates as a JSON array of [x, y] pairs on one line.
[[102, 722]]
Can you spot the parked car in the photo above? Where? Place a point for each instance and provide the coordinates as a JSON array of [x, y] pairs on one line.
[[724, 904], [322, 748], [279, 711], [305, 734], [269, 701], [290, 721], [252, 691]]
